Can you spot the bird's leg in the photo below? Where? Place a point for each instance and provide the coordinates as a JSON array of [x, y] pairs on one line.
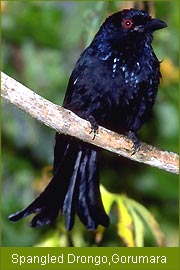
[[136, 143], [94, 126]]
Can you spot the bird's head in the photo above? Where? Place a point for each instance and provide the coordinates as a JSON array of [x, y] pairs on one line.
[[131, 22]]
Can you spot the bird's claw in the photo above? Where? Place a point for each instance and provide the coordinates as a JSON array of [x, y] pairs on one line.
[[136, 143], [94, 126]]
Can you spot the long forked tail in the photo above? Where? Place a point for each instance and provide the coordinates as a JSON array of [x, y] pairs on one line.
[[73, 189]]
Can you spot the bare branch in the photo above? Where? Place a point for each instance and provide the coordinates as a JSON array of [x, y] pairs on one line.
[[66, 122]]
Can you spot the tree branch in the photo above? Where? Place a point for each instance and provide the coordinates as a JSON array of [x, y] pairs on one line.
[[66, 122]]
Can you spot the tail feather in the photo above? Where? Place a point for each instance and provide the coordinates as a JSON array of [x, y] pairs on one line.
[[96, 207], [73, 188], [50, 201], [69, 201], [47, 205], [82, 204]]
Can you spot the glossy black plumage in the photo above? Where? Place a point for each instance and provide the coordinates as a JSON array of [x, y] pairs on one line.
[[114, 84]]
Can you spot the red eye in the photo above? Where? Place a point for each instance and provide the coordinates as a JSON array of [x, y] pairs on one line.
[[127, 23]]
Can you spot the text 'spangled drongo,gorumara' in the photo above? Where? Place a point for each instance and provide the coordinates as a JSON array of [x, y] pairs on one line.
[[114, 84]]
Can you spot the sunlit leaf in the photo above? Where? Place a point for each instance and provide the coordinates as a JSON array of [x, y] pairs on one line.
[[150, 222], [125, 223], [133, 219], [138, 225], [108, 198]]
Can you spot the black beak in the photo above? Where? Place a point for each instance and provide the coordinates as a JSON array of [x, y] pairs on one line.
[[155, 24]]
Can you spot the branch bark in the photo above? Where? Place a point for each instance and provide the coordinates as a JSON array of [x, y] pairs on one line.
[[66, 122]]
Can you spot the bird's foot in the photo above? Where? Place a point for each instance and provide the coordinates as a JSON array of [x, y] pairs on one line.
[[136, 143], [94, 126]]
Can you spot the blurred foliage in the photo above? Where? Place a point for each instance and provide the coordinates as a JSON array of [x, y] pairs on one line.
[[131, 216], [41, 40]]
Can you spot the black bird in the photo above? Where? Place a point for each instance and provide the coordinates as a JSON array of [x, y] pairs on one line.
[[114, 84]]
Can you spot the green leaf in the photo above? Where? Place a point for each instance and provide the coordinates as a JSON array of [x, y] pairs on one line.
[[150, 222], [138, 225], [133, 219], [125, 223]]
